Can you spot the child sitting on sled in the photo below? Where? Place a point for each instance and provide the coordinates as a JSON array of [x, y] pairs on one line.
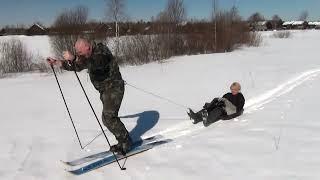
[[228, 107]]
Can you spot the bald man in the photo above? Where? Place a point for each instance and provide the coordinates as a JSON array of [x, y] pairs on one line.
[[105, 76]]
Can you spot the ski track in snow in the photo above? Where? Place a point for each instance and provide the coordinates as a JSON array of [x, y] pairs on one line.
[[252, 105]]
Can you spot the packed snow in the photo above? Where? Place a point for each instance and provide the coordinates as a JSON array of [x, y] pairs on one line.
[[278, 136]]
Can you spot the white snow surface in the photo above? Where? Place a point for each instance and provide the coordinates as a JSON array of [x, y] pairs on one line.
[[277, 138]]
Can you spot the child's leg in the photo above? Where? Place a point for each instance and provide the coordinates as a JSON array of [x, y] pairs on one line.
[[213, 116], [213, 104]]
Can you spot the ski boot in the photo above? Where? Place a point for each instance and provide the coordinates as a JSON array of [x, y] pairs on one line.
[[122, 147], [196, 117]]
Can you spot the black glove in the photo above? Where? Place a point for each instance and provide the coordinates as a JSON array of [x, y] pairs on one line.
[[221, 104]]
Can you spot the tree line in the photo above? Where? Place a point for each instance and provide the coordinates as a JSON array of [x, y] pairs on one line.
[[167, 34]]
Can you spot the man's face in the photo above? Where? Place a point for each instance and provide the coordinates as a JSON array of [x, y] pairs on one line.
[[235, 90], [83, 49]]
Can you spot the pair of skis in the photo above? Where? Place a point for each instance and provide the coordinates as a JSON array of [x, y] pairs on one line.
[[95, 161]]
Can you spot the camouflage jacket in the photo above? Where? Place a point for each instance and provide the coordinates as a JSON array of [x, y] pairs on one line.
[[102, 67]]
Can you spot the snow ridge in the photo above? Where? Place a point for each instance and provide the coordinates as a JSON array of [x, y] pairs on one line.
[[252, 105], [257, 102]]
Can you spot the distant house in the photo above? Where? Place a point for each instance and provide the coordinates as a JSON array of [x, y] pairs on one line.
[[295, 25], [2, 32], [103, 29], [287, 25], [276, 24], [262, 26], [37, 29], [300, 24], [314, 25]]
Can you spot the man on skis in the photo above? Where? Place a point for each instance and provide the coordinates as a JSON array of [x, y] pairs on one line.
[[105, 76], [228, 107]]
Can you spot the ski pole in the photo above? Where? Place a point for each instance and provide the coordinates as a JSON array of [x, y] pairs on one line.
[[85, 93], [65, 103]]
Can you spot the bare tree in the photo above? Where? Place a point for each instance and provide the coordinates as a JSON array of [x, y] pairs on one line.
[[169, 39], [14, 57], [304, 15], [69, 24], [176, 11], [276, 21], [72, 17], [116, 12], [234, 13], [162, 17], [214, 19], [256, 17]]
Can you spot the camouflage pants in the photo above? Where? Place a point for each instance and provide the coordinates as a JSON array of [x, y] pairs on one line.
[[111, 99]]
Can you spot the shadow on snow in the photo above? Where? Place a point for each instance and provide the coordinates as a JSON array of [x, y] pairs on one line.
[[146, 121]]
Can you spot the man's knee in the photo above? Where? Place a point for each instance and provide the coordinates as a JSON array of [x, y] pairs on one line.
[[108, 118]]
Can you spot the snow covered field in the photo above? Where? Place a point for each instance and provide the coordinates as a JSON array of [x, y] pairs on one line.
[[38, 45], [277, 138]]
